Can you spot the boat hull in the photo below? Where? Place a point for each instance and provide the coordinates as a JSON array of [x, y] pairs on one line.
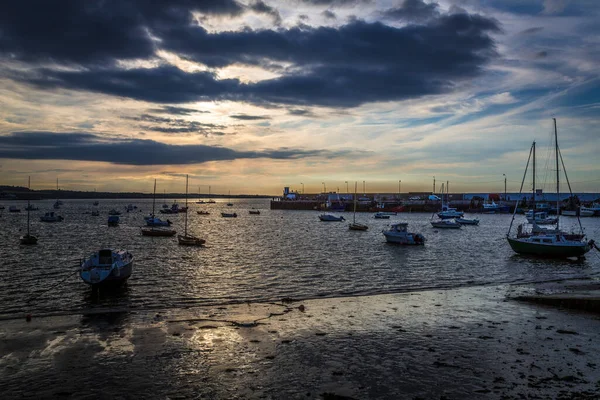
[[358, 227], [28, 240], [158, 232], [190, 241], [403, 240], [549, 250], [117, 276], [445, 226]]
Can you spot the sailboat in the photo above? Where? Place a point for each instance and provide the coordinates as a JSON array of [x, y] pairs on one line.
[[209, 199], [200, 201], [151, 230], [28, 238], [548, 242], [58, 202], [354, 226], [185, 239], [446, 215], [229, 203]]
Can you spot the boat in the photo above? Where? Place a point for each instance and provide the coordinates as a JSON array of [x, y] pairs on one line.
[[107, 267], [51, 217], [114, 212], [1, 207], [330, 218], [553, 243], [594, 208], [95, 213], [583, 212], [154, 230], [173, 210], [229, 203], [254, 212], [398, 234], [447, 211], [228, 215], [354, 226], [31, 207], [380, 215], [129, 208], [200, 201], [157, 222], [14, 209], [113, 220], [210, 201], [158, 231], [540, 218], [446, 224], [569, 213], [187, 239], [28, 238], [96, 203], [467, 221], [202, 212], [58, 203], [492, 208]]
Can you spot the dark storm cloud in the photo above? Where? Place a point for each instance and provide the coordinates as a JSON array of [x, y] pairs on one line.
[[89, 147], [94, 31], [339, 67], [245, 117], [261, 8], [412, 11]]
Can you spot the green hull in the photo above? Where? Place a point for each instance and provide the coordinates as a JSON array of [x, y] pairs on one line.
[[549, 250]]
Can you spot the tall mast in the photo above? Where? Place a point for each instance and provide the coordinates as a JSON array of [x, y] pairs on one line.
[[154, 198], [557, 175], [186, 196], [355, 187], [28, 207], [448, 192], [534, 176]]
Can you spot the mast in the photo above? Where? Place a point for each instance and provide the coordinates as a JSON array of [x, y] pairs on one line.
[[448, 193], [534, 176], [154, 198], [186, 205], [209, 192], [28, 206], [355, 186], [557, 175]]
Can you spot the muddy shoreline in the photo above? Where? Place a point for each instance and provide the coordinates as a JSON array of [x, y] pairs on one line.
[[461, 343]]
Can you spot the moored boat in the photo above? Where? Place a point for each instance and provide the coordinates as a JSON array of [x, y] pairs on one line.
[[254, 212], [114, 212], [381, 215], [200, 212], [50, 216], [157, 222], [398, 234], [188, 239], [14, 209], [28, 238], [228, 215], [106, 267], [95, 213], [354, 226], [445, 224], [113, 220], [158, 231], [330, 218]]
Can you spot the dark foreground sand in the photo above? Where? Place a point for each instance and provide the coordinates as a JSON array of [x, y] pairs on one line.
[[452, 344]]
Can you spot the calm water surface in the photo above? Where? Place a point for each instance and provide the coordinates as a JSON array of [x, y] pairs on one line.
[[256, 257]]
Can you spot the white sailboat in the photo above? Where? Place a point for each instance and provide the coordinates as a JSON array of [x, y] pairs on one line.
[[151, 230]]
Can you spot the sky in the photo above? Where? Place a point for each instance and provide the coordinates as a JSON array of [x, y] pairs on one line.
[[249, 96]]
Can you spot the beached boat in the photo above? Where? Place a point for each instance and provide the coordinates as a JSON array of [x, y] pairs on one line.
[[107, 267], [51, 217], [330, 218], [546, 243], [187, 239], [14, 209], [113, 220], [28, 238], [228, 215], [398, 234], [381, 215], [355, 226], [467, 221], [445, 224]]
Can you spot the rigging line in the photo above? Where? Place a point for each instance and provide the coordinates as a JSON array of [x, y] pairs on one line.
[[521, 189], [568, 183]]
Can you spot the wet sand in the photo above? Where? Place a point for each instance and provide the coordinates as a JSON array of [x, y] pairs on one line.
[[443, 344]]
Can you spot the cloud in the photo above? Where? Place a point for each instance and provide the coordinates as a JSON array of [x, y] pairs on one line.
[[260, 7], [533, 30], [95, 31], [178, 125], [81, 146], [245, 117], [177, 110], [412, 11], [329, 14], [300, 112], [338, 3], [348, 66]]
